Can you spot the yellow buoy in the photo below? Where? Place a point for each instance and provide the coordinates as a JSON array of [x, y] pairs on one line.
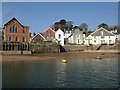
[[64, 61]]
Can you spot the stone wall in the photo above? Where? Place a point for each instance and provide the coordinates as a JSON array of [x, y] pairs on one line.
[[44, 49]]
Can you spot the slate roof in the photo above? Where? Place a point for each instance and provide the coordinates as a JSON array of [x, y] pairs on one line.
[[17, 21], [37, 35], [105, 32]]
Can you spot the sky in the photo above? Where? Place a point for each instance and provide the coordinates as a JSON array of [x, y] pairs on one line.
[[41, 15]]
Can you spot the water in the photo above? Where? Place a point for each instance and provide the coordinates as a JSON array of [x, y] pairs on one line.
[[77, 73]]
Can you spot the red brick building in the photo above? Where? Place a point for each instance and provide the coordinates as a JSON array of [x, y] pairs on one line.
[[49, 35], [38, 38], [14, 32]]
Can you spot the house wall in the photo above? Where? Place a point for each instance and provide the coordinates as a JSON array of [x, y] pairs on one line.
[[77, 37], [67, 34], [61, 38], [37, 39], [19, 34], [97, 40], [49, 34], [1, 38]]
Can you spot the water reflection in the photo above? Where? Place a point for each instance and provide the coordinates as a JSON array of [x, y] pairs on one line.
[[77, 73], [61, 78], [16, 74]]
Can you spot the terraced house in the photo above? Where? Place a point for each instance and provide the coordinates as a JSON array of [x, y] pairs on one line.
[[100, 36]]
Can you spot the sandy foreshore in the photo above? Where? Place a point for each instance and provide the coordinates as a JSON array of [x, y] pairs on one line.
[[67, 55]]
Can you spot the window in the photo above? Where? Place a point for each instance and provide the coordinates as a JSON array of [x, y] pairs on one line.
[[102, 41], [11, 29], [78, 41], [16, 39], [94, 41], [110, 41], [16, 29], [23, 39], [10, 39], [59, 36], [23, 31], [102, 37], [101, 33], [50, 33]]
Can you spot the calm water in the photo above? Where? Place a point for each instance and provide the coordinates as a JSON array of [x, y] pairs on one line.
[[77, 73]]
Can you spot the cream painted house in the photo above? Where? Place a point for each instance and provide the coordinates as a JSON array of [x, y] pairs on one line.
[[76, 37], [59, 35], [100, 36]]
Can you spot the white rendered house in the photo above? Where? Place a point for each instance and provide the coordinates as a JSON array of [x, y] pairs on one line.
[[100, 36], [59, 35], [76, 37]]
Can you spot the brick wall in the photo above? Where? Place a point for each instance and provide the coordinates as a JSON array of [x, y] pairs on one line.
[[19, 33]]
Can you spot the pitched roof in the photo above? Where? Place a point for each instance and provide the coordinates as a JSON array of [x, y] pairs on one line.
[[74, 32], [39, 35], [59, 29], [12, 20], [48, 29], [105, 32]]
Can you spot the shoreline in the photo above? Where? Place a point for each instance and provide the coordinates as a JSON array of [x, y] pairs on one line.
[[89, 54]]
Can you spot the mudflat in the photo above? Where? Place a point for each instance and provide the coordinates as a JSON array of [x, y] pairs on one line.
[[67, 55]]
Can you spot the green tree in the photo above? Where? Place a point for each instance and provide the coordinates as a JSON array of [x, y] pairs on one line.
[[104, 25], [84, 27], [69, 25]]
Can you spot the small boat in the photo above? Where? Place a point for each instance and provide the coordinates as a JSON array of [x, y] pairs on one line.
[[98, 58], [64, 61]]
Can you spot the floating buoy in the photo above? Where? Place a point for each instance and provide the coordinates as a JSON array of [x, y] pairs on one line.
[[64, 61], [98, 58]]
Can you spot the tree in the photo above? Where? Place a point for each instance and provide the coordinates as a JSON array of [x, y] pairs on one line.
[[62, 22], [56, 26], [76, 27], [69, 25], [84, 27], [104, 25]]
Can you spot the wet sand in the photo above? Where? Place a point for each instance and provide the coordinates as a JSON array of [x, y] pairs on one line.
[[67, 55]]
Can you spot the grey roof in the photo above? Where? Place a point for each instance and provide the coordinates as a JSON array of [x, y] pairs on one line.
[[105, 32]]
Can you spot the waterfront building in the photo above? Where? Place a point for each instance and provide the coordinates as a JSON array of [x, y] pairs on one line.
[[49, 35], [1, 37], [59, 35], [76, 37], [100, 36], [16, 36], [14, 31], [38, 38]]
